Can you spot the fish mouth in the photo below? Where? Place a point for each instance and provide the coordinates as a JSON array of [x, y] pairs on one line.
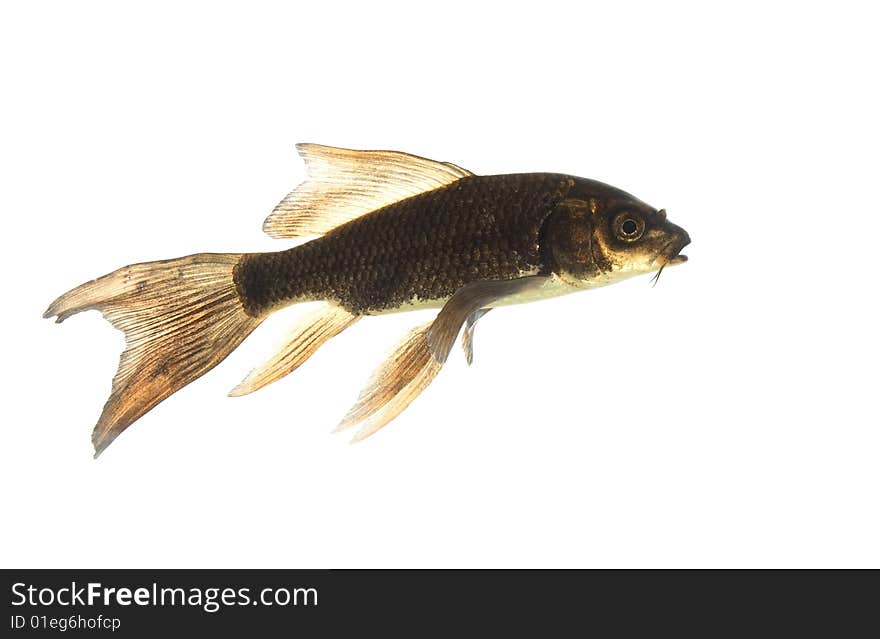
[[665, 259], [670, 255]]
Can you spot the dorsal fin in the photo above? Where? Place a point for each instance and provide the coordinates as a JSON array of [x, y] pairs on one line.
[[343, 184]]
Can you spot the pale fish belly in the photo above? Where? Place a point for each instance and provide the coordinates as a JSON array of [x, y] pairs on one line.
[[553, 287]]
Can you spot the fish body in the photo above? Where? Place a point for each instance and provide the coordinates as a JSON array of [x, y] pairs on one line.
[[417, 252], [395, 233]]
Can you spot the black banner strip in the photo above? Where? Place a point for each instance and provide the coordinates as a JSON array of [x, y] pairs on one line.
[[259, 602]]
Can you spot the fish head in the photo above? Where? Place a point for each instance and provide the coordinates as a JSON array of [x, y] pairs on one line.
[[602, 234]]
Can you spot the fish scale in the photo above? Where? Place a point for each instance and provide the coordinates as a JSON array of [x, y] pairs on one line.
[[424, 247]]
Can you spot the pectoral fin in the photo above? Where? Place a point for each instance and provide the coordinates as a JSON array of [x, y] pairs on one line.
[[467, 301], [417, 359]]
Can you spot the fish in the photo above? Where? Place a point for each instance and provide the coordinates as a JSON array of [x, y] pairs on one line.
[[381, 232]]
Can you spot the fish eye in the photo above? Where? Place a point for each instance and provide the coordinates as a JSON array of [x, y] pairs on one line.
[[628, 227]]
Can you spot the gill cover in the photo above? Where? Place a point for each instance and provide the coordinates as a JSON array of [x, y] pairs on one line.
[[568, 241]]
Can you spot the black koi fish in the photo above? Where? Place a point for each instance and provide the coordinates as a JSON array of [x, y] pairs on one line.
[[396, 233]]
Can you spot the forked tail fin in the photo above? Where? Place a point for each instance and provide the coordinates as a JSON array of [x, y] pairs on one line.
[[180, 317]]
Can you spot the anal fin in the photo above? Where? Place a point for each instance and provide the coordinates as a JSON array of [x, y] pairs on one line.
[[394, 385], [306, 336]]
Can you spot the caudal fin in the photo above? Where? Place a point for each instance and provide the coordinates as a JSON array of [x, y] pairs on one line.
[[180, 317]]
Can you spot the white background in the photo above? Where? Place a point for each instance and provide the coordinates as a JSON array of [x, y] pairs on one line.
[[727, 417]]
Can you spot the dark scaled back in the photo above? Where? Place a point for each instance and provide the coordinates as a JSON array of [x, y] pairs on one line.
[[425, 247]]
